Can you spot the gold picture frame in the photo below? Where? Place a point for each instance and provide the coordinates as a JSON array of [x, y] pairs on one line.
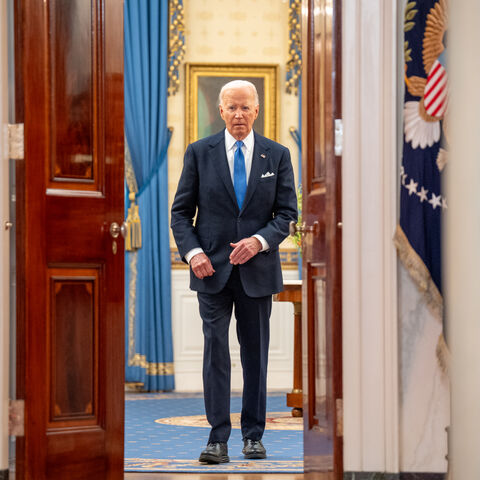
[[203, 84]]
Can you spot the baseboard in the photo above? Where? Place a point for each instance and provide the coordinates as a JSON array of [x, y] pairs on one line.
[[393, 476], [3, 474]]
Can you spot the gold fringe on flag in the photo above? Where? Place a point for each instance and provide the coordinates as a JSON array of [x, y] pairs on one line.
[[422, 278], [443, 355]]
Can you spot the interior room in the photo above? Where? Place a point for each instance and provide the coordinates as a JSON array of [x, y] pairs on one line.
[[101, 338]]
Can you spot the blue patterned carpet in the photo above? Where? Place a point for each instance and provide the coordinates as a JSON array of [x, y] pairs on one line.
[[166, 433]]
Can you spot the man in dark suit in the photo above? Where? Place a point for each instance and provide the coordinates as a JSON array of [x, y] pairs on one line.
[[240, 185]]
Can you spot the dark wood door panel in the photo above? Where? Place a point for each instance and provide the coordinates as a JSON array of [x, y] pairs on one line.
[[82, 226], [71, 323], [72, 339], [75, 93], [321, 187]]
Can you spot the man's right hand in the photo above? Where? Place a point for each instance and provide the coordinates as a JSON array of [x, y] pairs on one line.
[[201, 266]]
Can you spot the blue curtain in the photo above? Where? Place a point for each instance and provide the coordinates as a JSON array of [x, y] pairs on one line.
[[149, 350]]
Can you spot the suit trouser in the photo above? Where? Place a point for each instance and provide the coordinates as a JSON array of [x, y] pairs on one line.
[[253, 332]]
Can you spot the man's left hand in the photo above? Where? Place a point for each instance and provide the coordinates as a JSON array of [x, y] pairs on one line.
[[244, 250]]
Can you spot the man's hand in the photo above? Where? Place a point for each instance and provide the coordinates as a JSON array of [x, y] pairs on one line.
[[201, 266], [244, 250]]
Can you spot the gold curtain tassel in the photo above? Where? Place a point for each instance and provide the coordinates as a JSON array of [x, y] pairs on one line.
[[133, 237], [136, 229], [129, 221]]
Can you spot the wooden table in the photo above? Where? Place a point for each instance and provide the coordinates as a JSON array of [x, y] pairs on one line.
[[292, 292]]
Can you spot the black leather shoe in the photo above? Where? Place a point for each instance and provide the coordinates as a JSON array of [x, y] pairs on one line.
[[216, 452], [253, 449]]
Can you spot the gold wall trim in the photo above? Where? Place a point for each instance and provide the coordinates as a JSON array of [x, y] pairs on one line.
[[294, 62], [176, 44]]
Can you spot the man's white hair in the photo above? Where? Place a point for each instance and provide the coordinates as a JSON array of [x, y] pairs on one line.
[[238, 84]]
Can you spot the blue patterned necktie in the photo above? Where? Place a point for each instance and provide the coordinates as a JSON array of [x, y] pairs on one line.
[[239, 174]]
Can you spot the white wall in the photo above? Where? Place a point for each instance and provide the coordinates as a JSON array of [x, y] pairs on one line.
[[462, 238], [4, 242]]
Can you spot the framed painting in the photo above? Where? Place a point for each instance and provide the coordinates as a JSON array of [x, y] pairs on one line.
[[203, 84]]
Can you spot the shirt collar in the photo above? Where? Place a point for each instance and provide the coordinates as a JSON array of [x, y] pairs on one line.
[[248, 141]]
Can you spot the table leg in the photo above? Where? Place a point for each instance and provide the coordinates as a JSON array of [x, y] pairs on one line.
[[295, 398]]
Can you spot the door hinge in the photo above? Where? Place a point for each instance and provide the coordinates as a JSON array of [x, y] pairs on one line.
[[15, 141], [16, 418], [339, 405], [338, 136]]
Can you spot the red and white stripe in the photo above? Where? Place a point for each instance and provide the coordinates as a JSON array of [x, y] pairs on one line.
[[436, 91]]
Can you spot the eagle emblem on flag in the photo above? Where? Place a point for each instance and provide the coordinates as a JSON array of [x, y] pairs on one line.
[[425, 147]]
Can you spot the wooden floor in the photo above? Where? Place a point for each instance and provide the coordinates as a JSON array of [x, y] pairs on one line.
[[214, 476]]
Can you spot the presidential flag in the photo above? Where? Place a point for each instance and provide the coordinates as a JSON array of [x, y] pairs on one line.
[[425, 146]]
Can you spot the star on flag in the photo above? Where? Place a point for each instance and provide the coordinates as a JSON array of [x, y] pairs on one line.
[[412, 187], [435, 201], [422, 194]]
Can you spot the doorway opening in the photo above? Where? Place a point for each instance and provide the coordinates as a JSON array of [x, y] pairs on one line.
[[217, 42], [64, 350]]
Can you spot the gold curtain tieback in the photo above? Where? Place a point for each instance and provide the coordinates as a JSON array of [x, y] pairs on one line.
[[133, 238]]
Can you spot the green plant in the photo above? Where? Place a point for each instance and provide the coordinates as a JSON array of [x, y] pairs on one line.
[[297, 238]]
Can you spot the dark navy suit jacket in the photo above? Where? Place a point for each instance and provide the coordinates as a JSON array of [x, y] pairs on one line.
[[206, 189]]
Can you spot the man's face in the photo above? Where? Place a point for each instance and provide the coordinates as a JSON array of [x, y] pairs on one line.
[[239, 110]]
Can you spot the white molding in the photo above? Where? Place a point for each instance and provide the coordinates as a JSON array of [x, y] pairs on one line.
[[369, 167], [390, 201], [352, 381]]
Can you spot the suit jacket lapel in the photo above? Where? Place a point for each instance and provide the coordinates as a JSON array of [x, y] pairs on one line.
[[260, 154], [219, 157]]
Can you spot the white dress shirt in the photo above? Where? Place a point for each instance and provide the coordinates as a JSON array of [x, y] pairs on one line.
[[247, 149]]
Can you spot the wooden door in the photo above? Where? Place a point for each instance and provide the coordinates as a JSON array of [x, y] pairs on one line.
[[321, 184], [70, 343]]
